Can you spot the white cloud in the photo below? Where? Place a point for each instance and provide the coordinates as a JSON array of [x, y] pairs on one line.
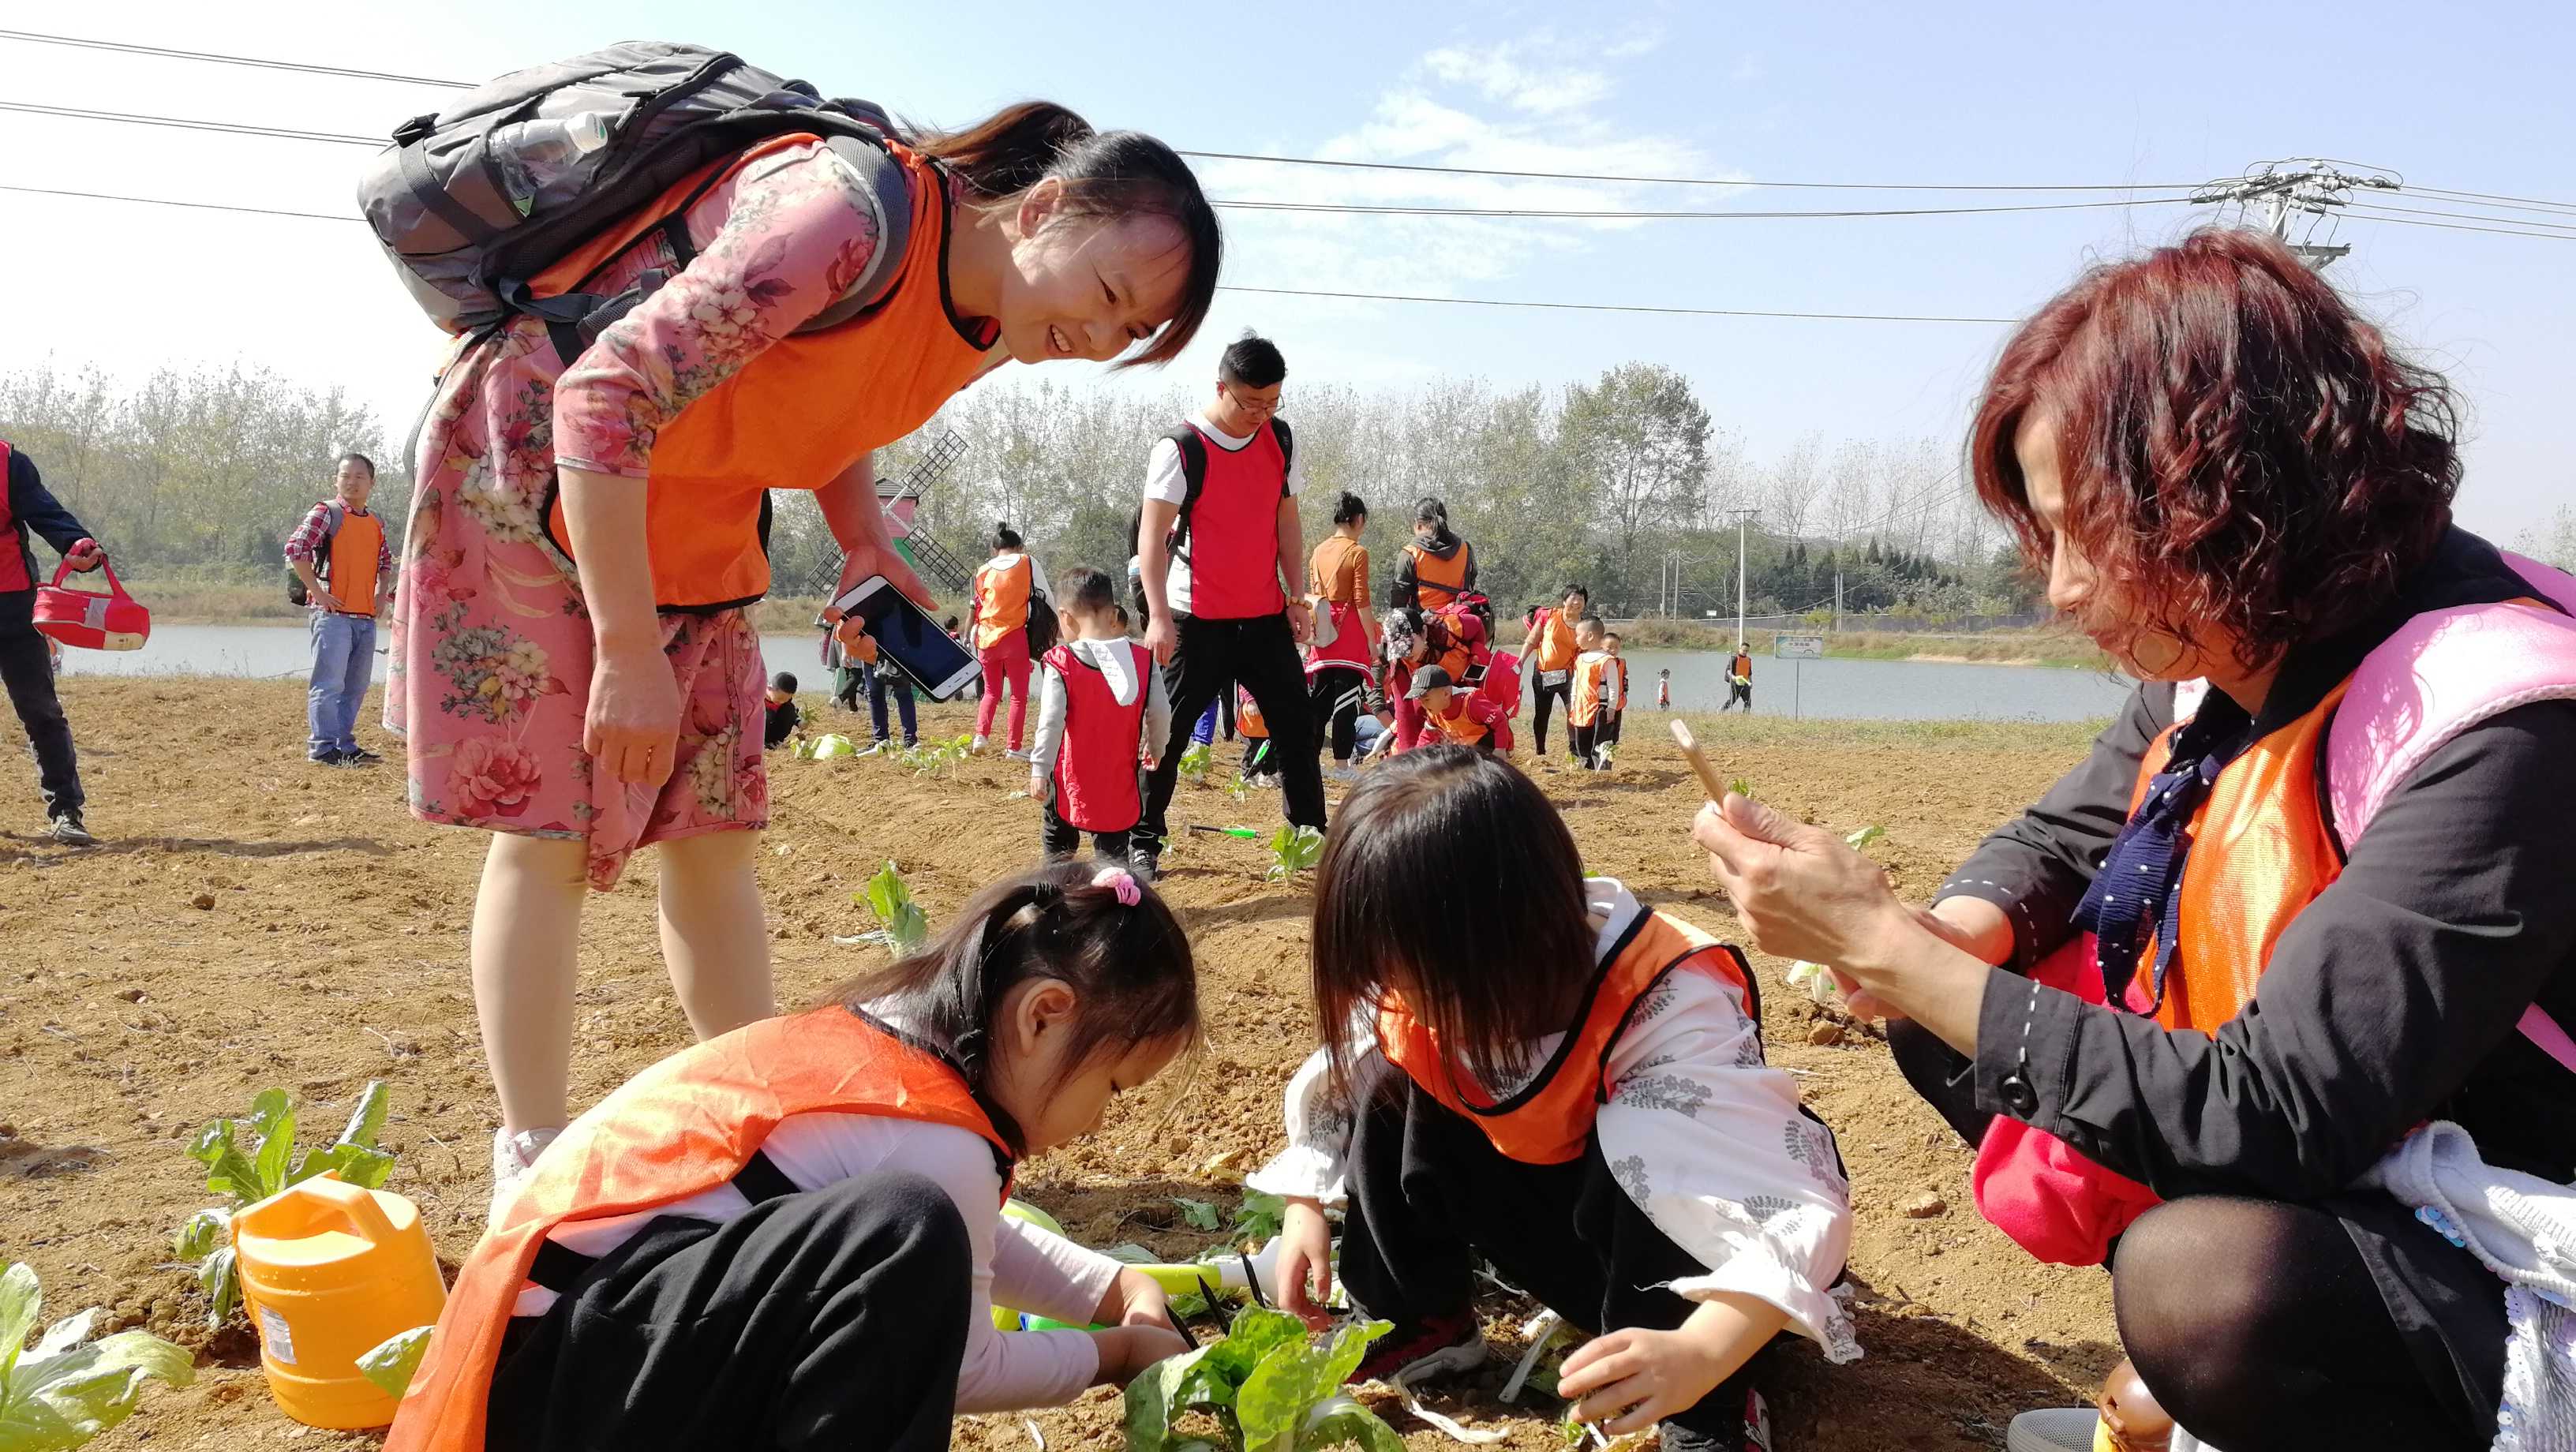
[[1497, 72]]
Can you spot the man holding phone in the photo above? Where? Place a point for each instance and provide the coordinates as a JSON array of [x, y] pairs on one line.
[[1220, 551]]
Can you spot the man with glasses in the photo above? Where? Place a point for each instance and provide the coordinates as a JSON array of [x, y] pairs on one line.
[[1220, 553]]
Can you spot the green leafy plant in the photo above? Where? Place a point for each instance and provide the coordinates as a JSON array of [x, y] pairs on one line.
[[1260, 1216], [1197, 1214], [248, 1160], [392, 1362], [1862, 838], [1292, 851], [1741, 788], [904, 926], [1196, 760], [1240, 787], [1266, 1386], [67, 1388]]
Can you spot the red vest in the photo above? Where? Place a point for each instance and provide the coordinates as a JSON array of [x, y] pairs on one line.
[[1548, 1121], [1095, 765], [13, 555], [1233, 544], [687, 1124]]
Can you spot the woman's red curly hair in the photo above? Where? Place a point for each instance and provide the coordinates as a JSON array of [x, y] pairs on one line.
[[2240, 449]]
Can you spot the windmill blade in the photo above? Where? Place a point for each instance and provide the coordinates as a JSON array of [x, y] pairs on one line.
[[898, 496]]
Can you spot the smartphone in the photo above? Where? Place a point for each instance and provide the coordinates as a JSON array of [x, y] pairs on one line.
[[906, 635]]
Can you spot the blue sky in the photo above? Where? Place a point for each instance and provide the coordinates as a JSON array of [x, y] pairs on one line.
[[2467, 98]]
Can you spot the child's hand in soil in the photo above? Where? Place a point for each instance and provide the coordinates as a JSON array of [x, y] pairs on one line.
[[1626, 1381], [1305, 1255], [1125, 1351]]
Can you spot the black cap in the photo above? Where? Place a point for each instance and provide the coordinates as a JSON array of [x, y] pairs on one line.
[[1427, 679]]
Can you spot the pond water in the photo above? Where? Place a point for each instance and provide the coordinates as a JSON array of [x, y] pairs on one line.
[[1850, 689]]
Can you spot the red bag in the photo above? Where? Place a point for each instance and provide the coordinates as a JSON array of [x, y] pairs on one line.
[[113, 621]]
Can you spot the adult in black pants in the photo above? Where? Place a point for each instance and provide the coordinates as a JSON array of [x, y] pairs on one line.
[[25, 663], [828, 1318], [1223, 586], [2280, 1294]]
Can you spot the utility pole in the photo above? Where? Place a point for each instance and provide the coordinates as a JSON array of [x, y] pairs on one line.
[[1838, 598], [2306, 185], [1741, 515]]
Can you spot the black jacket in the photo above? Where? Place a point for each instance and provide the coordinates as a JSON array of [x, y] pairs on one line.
[[34, 510], [2391, 1000]]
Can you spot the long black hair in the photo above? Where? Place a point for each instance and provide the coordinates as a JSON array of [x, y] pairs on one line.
[[1111, 175], [1429, 513], [1129, 967]]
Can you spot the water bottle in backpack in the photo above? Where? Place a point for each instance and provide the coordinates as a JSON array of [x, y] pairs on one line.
[[541, 161]]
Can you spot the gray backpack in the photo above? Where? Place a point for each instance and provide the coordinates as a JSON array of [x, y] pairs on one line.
[[474, 202]]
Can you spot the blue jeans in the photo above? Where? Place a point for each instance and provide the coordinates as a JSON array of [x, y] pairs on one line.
[[878, 689], [344, 660]]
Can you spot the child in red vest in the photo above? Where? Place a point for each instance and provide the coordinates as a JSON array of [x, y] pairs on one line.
[[1451, 712], [1564, 1083], [1101, 715], [791, 1236]]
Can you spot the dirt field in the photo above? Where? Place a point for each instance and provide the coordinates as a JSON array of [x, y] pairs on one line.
[[252, 921]]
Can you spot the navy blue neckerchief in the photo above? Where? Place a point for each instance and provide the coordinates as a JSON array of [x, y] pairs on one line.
[[2137, 888]]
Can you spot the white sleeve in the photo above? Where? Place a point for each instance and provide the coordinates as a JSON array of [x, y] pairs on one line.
[[1051, 712], [1297, 472], [1038, 1271], [1158, 710], [1165, 479], [1711, 1143], [1001, 1372], [1319, 1126]]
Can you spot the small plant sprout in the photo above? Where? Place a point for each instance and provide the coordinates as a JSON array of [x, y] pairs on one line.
[[1861, 839], [1197, 1214], [1196, 761], [1292, 851], [1260, 1217], [66, 1389], [1741, 787], [1817, 981], [903, 925], [1267, 1388], [1240, 787], [248, 1160]]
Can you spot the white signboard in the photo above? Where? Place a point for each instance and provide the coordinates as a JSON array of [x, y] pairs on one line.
[[1798, 647]]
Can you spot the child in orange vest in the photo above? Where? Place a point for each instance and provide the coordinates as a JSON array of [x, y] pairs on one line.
[[1564, 1083], [1591, 696], [1614, 706], [1101, 712], [1451, 712], [791, 1236]]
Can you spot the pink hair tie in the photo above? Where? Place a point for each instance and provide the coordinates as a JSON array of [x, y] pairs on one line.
[[1121, 882]]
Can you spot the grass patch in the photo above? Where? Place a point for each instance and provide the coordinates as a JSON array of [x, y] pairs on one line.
[[2041, 645], [1980, 737]]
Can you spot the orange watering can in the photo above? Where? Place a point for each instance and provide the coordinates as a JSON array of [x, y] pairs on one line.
[[329, 1271]]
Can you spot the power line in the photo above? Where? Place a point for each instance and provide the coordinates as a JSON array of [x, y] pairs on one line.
[[233, 128], [230, 60], [2368, 214], [2384, 207], [1227, 287], [2519, 203], [1483, 302]]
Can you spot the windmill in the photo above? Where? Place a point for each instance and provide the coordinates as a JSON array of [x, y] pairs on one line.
[[900, 498]]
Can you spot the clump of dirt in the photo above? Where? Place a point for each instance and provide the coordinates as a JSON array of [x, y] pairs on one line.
[[334, 952]]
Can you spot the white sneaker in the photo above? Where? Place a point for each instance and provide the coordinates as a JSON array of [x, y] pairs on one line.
[[880, 749], [980, 746], [2057, 1429], [1343, 771], [1015, 754], [513, 1155]]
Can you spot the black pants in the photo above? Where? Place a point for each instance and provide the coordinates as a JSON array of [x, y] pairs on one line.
[[1429, 1192], [833, 1318], [1738, 695], [1061, 839], [1336, 701], [1562, 692], [1607, 732], [2267, 1323], [1261, 655], [1582, 740], [28, 669]]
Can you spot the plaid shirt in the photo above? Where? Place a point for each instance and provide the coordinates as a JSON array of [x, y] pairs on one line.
[[307, 540]]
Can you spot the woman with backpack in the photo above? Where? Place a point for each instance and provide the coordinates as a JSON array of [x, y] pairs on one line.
[[1010, 597], [1438, 566], [575, 669]]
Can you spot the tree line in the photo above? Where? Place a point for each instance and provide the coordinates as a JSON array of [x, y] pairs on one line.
[[1626, 483]]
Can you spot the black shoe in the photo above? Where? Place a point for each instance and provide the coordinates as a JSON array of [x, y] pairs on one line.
[[67, 829], [327, 756], [360, 756], [1145, 865]]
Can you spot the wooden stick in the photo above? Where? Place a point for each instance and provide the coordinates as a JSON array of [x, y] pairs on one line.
[[1699, 762]]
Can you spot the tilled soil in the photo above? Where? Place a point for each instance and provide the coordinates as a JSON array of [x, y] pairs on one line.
[[254, 921]]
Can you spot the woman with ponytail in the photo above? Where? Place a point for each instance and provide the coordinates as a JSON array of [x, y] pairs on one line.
[[792, 1237], [574, 666]]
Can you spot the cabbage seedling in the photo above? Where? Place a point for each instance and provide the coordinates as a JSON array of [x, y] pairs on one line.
[[66, 1388], [1292, 851], [248, 1160], [904, 925], [1267, 1387]]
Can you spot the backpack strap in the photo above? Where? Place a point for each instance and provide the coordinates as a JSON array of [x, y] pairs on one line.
[[1194, 470], [333, 516], [1287, 451]]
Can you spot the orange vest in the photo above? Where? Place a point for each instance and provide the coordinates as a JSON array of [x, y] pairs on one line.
[[1436, 581], [2261, 851], [800, 413], [353, 562], [1247, 717], [683, 1126], [1548, 1121], [1460, 727], [1556, 649], [1001, 600], [1589, 674]]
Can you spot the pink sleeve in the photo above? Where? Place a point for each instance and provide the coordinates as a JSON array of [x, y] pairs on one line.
[[790, 232]]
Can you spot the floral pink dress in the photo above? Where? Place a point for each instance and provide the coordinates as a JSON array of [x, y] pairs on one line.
[[492, 649]]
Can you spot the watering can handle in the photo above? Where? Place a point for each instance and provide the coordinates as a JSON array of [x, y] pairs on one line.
[[356, 1203]]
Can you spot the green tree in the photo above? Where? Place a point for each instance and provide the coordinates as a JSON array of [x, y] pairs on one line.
[[1636, 444]]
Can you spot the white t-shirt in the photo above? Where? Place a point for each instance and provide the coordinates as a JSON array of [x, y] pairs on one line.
[[1167, 481]]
